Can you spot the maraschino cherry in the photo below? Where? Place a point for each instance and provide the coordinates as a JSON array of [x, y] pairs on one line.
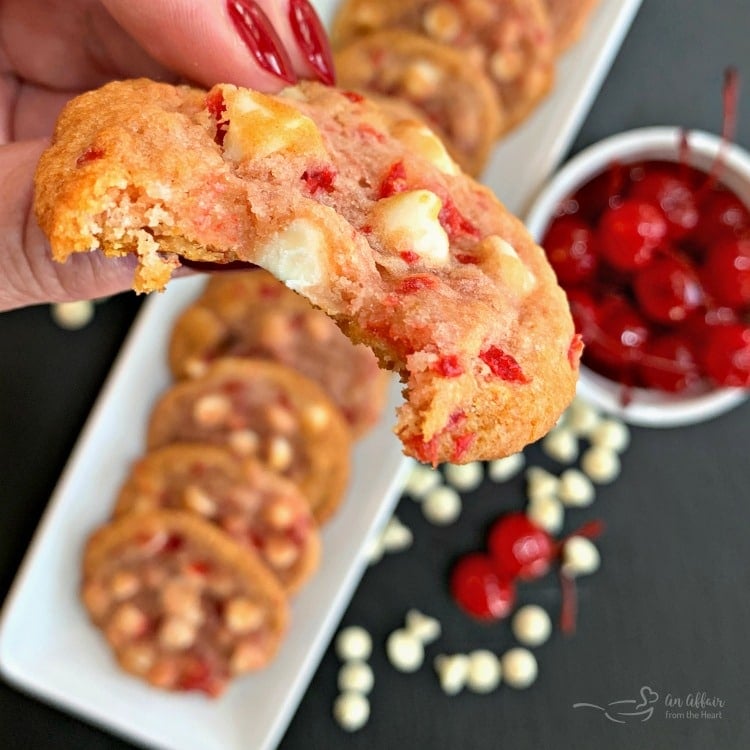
[[519, 548], [480, 589]]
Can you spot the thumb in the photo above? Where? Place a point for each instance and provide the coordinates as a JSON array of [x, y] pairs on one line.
[[263, 44]]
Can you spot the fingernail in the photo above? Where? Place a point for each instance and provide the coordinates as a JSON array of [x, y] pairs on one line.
[[312, 39], [260, 37]]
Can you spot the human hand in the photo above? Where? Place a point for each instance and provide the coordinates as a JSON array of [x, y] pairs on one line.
[[51, 51]]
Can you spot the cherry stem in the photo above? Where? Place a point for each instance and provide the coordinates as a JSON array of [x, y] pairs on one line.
[[568, 605], [591, 530], [730, 97]]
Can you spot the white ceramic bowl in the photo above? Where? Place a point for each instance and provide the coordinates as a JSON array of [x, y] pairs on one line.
[[646, 407]]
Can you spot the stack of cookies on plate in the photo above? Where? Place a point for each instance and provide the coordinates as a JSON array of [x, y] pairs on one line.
[[472, 69], [248, 452]]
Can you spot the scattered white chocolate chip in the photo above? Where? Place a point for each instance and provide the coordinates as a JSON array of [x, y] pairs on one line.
[[576, 489], [547, 512], [561, 444], [442, 505], [405, 651], [484, 671], [601, 464], [395, 536], [580, 557], [465, 477], [351, 710], [452, 672], [73, 315], [353, 643], [356, 676], [612, 434], [375, 550], [531, 625], [421, 480], [540, 483], [212, 410], [519, 667], [427, 629], [503, 469], [581, 417]]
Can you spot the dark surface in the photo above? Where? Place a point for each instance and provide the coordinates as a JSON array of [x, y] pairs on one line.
[[668, 609]]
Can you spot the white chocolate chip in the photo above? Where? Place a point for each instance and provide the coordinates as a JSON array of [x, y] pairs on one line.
[[581, 417], [442, 505], [279, 514], [183, 599], [484, 671], [580, 557], [96, 598], [442, 22], [124, 584], [452, 672], [357, 677], [405, 651], [396, 536], [353, 643], [316, 417], [503, 469], [243, 442], [280, 453], [176, 634], [465, 477], [540, 483], [280, 419], [375, 550], [195, 368], [601, 464], [212, 410], [427, 629], [408, 222], [519, 668], [576, 489], [138, 658], [531, 625], [561, 445], [195, 499], [128, 621], [547, 512], [420, 139], [421, 480], [243, 615], [420, 80], [73, 315], [280, 552], [247, 656], [351, 710], [612, 434]]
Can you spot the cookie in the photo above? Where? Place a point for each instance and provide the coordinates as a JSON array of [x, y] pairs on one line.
[[255, 506], [511, 40], [569, 19], [408, 254], [266, 411], [252, 314], [183, 607], [456, 100]]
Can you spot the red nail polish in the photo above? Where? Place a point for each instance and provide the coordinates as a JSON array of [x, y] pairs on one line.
[[312, 39], [260, 37]]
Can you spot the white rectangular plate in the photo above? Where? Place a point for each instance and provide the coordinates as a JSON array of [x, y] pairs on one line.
[[47, 646]]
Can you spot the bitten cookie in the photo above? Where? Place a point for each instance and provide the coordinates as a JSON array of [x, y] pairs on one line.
[[258, 508], [457, 100], [408, 254], [252, 314], [265, 411], [509, 39], [182, 606]]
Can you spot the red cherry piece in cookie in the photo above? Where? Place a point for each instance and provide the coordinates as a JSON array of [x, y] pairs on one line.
[[480, 590], [620, 337], [629, 233], [520, 548], [569, 244], [667, 290], [503, 365], [668, 364], [675, 198], [726, 272], [726, 357]]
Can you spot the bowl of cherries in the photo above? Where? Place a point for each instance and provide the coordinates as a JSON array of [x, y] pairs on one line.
[[648, 232]]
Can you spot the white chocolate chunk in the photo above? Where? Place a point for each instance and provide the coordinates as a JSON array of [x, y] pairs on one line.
[[176, 634], [601, 464], [195, 499], [124, 584], [540, 483], [442, 506], [612, 434], [421, 79], [280, 453], [547, 512], [427, 629], [484, 671], [73, 315], [503, 469], [247, 657], [581, 417], [421, 480], [280, 552], [452, 672], [353, 643], [296, 255], [243, 442], [279, 514], [405, 651], [243, 615], [316, 417], [442, 22], [375, 549], [500, 257], [396, 536], [576, 489], [212, 410], [357, 677], [465, 477], [561, 445], [408, 222], [419, 138], [580, 557], [531, 625], [519, 668], [351, 710]]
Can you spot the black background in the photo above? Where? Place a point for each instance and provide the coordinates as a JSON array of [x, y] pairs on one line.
[[668, 609]]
